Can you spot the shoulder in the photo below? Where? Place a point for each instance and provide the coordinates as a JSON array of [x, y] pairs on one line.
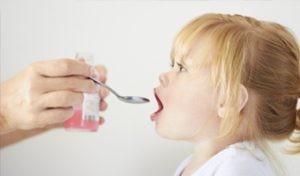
[[246, 162], [241, 166]]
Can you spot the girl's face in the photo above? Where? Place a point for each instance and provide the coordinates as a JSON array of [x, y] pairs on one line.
[[187, 103]]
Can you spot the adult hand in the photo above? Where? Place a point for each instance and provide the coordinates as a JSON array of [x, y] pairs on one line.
[[45, 93]]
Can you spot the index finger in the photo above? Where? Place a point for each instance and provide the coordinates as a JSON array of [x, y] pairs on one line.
[[63, 67]]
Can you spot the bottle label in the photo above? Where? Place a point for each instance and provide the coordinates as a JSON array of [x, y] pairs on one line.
[[90, 107]]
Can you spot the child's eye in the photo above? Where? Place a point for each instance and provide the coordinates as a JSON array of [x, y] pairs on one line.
[[181, 67]]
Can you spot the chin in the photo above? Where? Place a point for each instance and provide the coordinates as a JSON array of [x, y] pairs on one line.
[[166, 134]]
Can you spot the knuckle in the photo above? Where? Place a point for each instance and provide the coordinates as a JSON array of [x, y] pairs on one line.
[[32, 101], [32, 70], [32, 84], [65, 65], [32, 79], [32, 97]]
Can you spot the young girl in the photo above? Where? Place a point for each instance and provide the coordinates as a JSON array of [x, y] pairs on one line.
[[234, 84]]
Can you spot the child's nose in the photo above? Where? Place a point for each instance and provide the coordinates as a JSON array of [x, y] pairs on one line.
[[163, 79]]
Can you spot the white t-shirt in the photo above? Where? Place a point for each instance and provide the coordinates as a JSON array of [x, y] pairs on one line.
[[240, 159]]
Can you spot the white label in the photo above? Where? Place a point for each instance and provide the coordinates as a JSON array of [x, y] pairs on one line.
[[90, 107]]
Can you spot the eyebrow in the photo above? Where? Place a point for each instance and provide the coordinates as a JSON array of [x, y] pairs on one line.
[[182, 63]]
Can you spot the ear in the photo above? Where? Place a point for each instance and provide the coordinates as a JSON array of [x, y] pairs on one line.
[[221, 111], [221, 107], [242, 101]]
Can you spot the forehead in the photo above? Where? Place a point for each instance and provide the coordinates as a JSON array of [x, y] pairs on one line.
[[196, 54]]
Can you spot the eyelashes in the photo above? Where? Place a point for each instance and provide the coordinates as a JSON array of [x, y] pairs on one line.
[[181, 68]]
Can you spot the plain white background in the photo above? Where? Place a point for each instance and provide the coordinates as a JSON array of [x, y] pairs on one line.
[[133, 40]]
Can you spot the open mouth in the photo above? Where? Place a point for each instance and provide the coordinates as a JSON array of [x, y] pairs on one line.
[[160, 107]]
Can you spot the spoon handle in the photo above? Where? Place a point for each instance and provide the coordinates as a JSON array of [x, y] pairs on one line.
[[105, 86]]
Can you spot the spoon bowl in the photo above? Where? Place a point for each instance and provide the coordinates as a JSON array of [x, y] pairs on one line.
[[127, 99]]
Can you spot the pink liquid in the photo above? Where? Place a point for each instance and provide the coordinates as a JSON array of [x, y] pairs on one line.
[[77, 123]]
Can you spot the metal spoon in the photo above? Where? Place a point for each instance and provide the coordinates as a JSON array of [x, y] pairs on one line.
[[127, 99]]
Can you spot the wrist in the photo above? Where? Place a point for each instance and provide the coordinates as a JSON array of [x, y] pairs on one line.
[[5, 126]]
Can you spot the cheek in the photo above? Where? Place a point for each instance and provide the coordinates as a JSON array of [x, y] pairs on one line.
[[193, 103], [185, 115]]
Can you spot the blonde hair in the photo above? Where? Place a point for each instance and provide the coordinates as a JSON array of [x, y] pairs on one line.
[[262, 56]]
